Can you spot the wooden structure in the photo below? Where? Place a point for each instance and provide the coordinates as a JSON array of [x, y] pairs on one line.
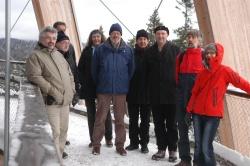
[[223, 21], [49, 11]]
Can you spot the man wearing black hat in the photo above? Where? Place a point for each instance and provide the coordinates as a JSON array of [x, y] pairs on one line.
[[112, 69], [161, 59], [137, 97]]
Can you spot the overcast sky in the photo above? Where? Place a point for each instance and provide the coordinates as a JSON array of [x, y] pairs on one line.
[[91, 14]]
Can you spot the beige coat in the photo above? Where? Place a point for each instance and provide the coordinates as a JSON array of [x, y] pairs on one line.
[[51, 72]]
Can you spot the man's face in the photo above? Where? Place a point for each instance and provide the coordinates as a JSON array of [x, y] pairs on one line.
[[193, 41], [115, 37], [96, 39], [161, 37], [63, 45], [48, 40], [61, 28], [142, 42]]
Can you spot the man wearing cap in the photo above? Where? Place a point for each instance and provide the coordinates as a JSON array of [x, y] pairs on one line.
[[161, 63], [189, 64], [112, 69], [137, 98], [47, 68]]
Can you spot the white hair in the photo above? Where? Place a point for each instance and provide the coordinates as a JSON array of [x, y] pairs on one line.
[[47, 29]]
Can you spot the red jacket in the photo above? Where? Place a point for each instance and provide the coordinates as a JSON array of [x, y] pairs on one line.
[[211, 85], [190, 62]]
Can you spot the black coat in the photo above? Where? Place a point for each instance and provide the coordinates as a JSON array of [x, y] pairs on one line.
[[161, 73], [70, 58], [88, 88], [137, 88]]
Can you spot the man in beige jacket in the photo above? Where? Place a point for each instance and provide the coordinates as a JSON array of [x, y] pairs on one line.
[[47, 68]]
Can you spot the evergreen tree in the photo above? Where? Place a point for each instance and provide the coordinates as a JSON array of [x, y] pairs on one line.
[[154, 21], [101, 29], [131, 42], [186, 7]]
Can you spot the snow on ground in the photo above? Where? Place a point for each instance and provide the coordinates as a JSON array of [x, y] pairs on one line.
[[80, 153]]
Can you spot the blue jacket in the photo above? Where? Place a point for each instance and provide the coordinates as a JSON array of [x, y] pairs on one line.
[[112, 68]]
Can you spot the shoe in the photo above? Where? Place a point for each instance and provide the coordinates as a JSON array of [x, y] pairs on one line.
[[90, 145], [195, 164], [132, 147], [96, 151], [144, 149], [109, 143], [159, 155], [172, 156], [65, 155], [67, 143], [184, 163], [121, 151]]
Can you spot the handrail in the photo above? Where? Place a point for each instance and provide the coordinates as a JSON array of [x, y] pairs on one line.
[[237, 92]]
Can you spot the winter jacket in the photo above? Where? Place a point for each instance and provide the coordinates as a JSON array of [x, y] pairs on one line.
[[137, 88], [112, 68], [161, 72], [88, 89], [51, 73], [211, 85]]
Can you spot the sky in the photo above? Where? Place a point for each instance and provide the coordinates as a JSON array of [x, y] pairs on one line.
[[91, 14]]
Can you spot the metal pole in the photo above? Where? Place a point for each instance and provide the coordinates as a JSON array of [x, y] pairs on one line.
[[7, 83]]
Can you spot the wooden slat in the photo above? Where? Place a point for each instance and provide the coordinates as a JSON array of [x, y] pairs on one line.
[[49, 11]]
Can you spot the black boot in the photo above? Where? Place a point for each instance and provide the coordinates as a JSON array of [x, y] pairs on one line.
[[132, 147], [144, 149]]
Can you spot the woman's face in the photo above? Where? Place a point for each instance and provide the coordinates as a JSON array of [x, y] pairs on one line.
[[96, 39]]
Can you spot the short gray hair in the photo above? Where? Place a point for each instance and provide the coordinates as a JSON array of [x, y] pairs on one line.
[[47, 29], [195, 33]]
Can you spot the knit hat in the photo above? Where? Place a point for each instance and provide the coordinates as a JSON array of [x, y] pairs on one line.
[[115, 27], [210, 48], [141, 33], [194, 33], [161, 27], [61, 36]]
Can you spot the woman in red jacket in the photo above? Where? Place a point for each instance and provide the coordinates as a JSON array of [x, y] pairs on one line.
[[206, 102]]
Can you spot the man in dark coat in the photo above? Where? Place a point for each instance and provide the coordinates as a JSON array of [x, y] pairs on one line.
[[137, 97], [161, 60]]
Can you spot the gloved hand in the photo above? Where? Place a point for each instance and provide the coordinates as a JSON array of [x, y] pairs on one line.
[[188, 119], [75, 99]]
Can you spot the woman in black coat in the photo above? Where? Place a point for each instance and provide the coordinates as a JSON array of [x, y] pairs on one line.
[[138, 105], [88, 88]]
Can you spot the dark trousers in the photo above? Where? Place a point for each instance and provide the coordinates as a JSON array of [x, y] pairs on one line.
[[165, 126], [142, 130], [103, 106], [91, 111], [186, 82], [205, 128]]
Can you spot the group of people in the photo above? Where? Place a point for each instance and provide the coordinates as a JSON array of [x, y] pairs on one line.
[[176, 86]]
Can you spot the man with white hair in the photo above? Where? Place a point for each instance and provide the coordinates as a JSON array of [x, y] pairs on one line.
[[47, 68]]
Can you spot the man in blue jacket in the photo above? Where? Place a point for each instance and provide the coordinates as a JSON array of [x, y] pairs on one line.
[[112, 69]]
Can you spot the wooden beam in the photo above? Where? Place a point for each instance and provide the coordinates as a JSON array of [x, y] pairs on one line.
[[49, 11]]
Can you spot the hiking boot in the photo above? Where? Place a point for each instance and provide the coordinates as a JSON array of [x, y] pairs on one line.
[[67, 143], [65, 155], [132, 147], [96, 151], [90, 145], [121, 151], [144, 149], [184, 163], [159, 155], [172, 156], [109, 143]]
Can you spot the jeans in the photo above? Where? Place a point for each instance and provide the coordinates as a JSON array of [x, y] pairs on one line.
[[205, 128]]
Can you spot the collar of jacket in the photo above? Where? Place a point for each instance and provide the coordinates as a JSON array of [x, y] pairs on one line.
[[163, 48], [139, 50], [39, 46], [108, 44]]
